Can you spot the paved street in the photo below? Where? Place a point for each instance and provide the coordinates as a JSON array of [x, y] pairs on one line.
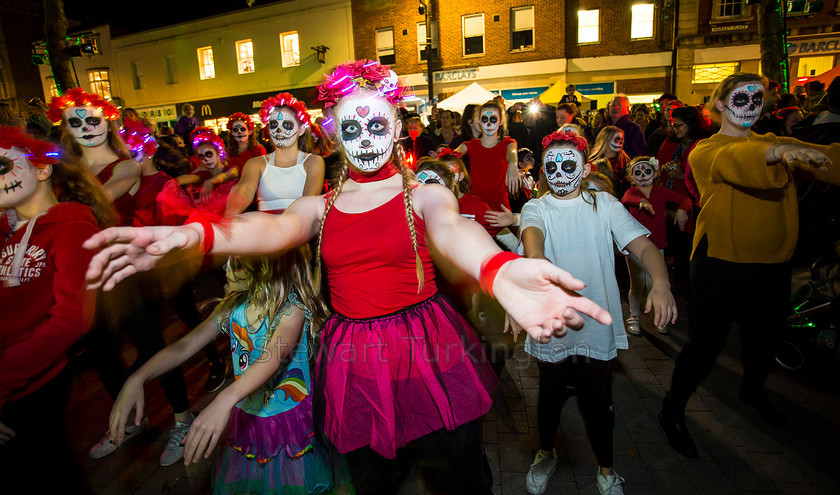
[[739, 453]]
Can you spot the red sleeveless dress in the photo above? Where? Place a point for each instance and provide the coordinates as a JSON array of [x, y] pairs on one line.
[[125, 203]]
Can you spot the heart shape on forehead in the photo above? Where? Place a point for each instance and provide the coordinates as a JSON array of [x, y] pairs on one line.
[[751, 87], [81, 112], [363, 111]]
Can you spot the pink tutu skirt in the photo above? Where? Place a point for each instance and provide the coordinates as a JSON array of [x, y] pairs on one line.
[[388, 380]]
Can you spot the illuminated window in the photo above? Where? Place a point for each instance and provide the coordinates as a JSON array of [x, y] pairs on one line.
[[522, 28], [641, 24], [245, 56], [728, 8], [713, 73], [814, 66], [206, 69], [385, 46], [422, 49], [291, 49], [588, 29], [473, 29], [100, 83]]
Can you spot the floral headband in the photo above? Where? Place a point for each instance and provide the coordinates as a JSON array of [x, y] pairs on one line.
[[77, 97], [565, 137], [445, 152], [651, 161], [368, 74], [205, 135], [138, 137], [39, 153], [287, 100], [240, 116]]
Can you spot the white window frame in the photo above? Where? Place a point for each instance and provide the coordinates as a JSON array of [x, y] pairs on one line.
[[100, 84], [641, 28], [137, 75], [717, 5], [383, 49], [422, 42], [464, 36], [245, 62], [206, 65], [588, 27], [291, 55], [171, 70], [514, 30]]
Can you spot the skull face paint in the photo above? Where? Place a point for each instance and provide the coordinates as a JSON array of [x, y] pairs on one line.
[[367, 130], [239, 131], [745, 104], [564, 169], [617, 142], [490, 121], [208, 155], [17, 178], [643, 174], [430, 177], [88, 125], [283, 126]]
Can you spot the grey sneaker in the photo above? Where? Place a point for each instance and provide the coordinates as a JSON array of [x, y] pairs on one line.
[[633, 325], [541, 470], [610, 484], [107, 445], [174, 451]]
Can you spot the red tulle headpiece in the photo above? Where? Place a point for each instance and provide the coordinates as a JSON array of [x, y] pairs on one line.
[[445, 152], [205, 135], [138, 137], [565, 137], [297, 106], [77, 97], [39, 153], [240, 116], [368, 74]]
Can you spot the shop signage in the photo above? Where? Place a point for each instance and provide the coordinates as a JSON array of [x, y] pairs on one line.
[[829, 45], [606, 88], [456, 75], [523, 94], [166, 112], [731, 27]]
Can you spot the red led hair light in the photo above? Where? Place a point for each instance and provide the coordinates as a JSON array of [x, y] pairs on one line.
[[77, 97]]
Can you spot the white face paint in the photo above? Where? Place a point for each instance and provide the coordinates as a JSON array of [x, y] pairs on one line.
[[208, 155], [490, 121], [367, 129], [17, 178], [430, 177], [240, 131], [563, 169], [88, 125], [283, 126], [642, 174], [745, 104], [617, 142]]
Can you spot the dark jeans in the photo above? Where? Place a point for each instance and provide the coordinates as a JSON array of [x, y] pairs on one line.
[[757, 294], [593, 382], [453, 460]]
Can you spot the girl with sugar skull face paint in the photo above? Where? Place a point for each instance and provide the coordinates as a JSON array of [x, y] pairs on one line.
[[371, 232], [243, 144], [609, 146], [577, 229], [745, 235], [213, 178], [291, 170]]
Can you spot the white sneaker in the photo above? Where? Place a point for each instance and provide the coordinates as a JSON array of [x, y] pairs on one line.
[[107, 445], [610, 484], [633, 326], [541, 470], [174, 451]]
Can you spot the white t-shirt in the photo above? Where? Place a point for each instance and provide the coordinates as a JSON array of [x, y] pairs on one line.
[[579, 239]]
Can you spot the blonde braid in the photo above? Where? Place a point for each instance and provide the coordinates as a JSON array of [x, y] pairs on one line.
[[345, 174], [409, 211]]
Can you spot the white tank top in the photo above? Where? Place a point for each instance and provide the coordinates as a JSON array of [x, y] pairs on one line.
[[279, 186]]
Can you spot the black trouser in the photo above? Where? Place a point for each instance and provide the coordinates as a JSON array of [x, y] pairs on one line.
[[453, 459], [184, 304], [758, 294], [38, 459], [592, 379]]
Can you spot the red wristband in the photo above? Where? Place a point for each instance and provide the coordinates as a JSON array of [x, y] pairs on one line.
[[209, 234], [491, 267]]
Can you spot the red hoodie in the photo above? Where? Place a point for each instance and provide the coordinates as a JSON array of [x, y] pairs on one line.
[[50, 310]]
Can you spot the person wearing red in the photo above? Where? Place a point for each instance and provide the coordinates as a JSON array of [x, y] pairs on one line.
[[210, 183], [609, 158], [243, 144], [89, 131], [493, 159], [49, 208]]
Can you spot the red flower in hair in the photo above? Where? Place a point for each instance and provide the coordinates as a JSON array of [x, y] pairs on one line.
[[205, 135], [240, 116], [565, 137], [286, 100], [77, 97], [138, 137], [39, 153], [364, 73], [444, 152]]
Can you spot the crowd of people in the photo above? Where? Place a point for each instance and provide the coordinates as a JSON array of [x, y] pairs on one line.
[[369, 265]]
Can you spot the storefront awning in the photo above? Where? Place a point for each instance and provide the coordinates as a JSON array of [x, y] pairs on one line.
[[474, 93], [828, 76], [555, 93]]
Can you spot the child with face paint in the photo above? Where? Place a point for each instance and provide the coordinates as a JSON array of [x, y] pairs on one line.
[[494, 169], [577, 229], [89, 131], [609, 145], [48, 207], [243, 141], [745, 235], [381, 364], [647, 203], [214, 178], [291, 170]]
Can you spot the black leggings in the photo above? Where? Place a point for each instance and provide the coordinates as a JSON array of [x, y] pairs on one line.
[[453, 459], [184, 304], [594, 389]]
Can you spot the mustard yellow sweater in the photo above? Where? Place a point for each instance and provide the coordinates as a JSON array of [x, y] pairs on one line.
[[749, 210]]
